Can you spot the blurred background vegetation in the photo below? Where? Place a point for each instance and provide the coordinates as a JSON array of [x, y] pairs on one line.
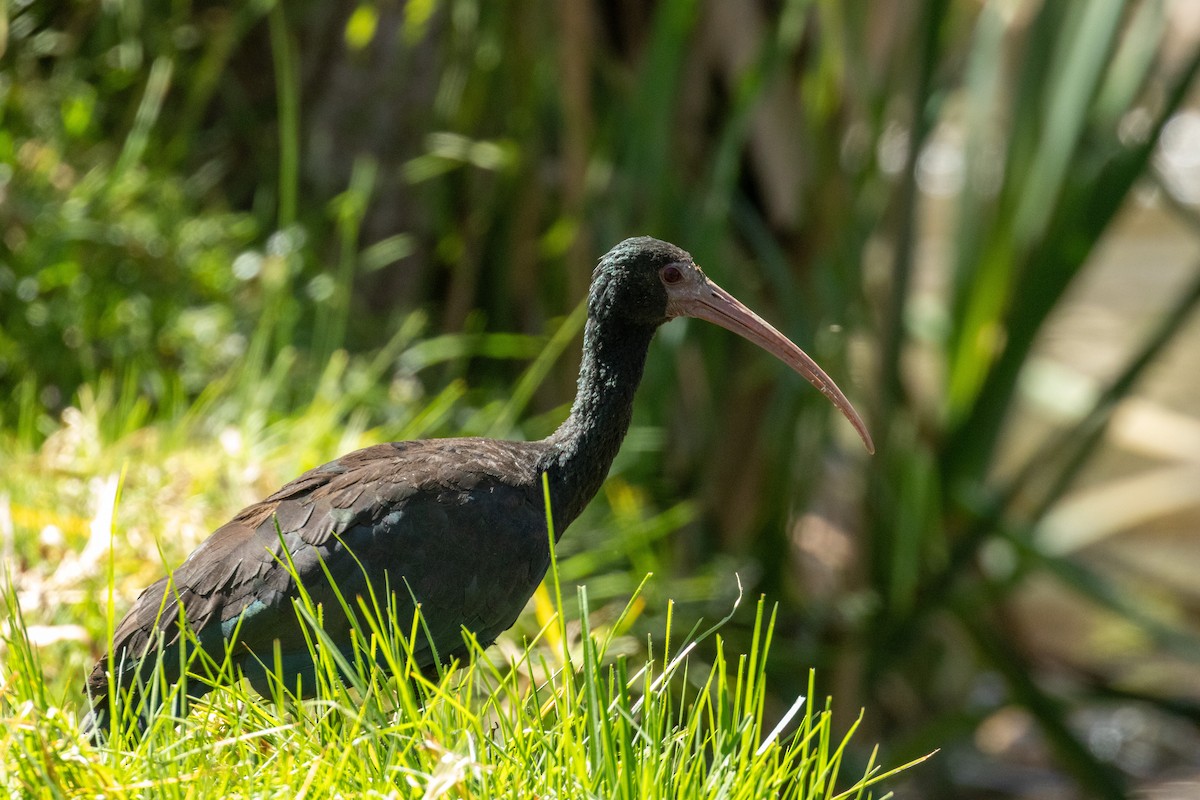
[[238, 240]]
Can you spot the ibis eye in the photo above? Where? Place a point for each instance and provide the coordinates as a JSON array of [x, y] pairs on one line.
[[671, 274]]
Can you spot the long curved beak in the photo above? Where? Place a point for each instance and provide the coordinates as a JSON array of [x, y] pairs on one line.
[[703, 299]]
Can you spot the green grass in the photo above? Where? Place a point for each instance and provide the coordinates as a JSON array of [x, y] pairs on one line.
[[562, 715], [594, 693], [527, 728]]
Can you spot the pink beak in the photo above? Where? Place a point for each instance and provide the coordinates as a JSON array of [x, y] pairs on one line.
[[703, 299]]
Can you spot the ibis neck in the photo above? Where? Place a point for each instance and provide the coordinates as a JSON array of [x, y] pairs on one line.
[[584, 446]]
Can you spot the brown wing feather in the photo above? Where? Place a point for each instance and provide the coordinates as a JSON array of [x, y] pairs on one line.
[[390, 499]]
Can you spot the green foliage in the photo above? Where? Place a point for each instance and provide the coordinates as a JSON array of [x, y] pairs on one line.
[[1028, 220], [111, 261], [198, 210]]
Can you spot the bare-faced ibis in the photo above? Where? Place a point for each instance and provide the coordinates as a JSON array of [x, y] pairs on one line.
[[459, 525]]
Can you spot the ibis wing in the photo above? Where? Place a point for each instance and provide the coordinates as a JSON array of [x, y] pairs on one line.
[[457, 524]]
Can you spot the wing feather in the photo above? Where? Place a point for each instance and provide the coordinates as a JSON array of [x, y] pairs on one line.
[[457, 522]]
